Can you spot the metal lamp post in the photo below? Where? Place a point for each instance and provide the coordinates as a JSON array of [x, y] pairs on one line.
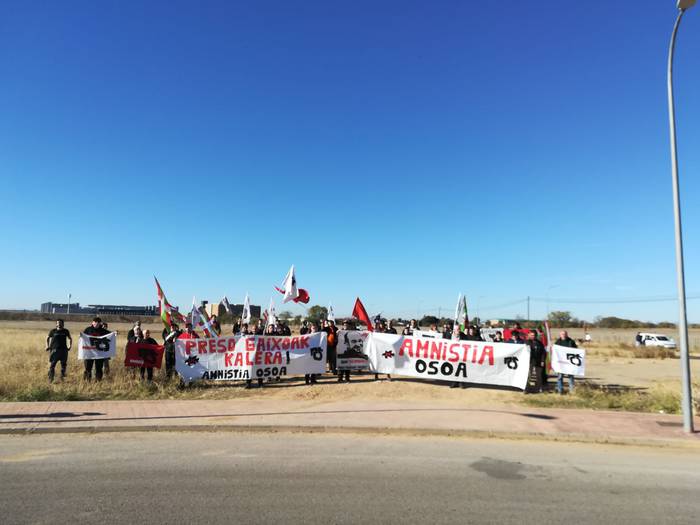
[[687, 394]]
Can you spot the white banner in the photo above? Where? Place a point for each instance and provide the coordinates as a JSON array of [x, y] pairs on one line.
[[464, 361], [97, 346], [569, 361], [239, 358], [430, 334], [351, 350]]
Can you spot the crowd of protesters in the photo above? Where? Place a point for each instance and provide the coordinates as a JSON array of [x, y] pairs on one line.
[[59, 343]]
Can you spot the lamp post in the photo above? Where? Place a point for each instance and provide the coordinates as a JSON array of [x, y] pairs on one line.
[[687, 394]]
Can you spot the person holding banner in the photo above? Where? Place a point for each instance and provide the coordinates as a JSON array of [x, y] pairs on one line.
[[58, 346], [332, 344], [565, 340], [169, 337], [147, 339], [96, 329], [309, 379], [537, 360]]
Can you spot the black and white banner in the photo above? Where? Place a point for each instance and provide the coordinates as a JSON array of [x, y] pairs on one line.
[[569, 361], [97, 346], [351, 350], [250, 357], [500, 364]]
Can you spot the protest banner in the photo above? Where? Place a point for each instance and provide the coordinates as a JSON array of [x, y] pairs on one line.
[[145, 355], [463, 361], [350, 350], [568, 361], [97, 346], [239, 358], [430, 334]]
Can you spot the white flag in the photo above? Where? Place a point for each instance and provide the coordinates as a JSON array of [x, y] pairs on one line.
[[97, 346], [461, 312], [569, 361], [331, 313], [245, 316], [226, 304], [290, 286], [270, 315]]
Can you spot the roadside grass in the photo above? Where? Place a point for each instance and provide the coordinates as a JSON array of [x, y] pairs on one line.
[[657, 399], [630, 351]]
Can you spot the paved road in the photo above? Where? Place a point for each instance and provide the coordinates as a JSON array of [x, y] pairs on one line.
[[224, 477]]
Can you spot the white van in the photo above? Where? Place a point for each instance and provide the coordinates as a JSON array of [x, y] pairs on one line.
[[657, 340]]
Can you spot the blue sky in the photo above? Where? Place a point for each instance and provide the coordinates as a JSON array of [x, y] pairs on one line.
[[399, 151]]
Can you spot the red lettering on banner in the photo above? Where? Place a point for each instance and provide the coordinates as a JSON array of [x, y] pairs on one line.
[[250, 345], [406, 347], [275, 344], [304, 341], [277, 358], [189, 345], [285, 344], [488, 350], [436, 350], [295, 343], [422, 345], [258, 357], [202, 346], [454, 356], [227, 360], [239, 359], [231, 345], [261, 345]]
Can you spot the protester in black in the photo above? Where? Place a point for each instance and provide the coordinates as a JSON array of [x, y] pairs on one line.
[[169, 337], [96, 329], [57, 343], [147, 339], [537, 361]]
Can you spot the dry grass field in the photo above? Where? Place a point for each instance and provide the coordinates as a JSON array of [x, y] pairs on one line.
[[619, 377]]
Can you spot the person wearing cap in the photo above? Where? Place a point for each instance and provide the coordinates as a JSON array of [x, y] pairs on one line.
[[58, 343], [96, 329]]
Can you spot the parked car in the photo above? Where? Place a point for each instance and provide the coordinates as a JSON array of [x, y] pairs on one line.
[[648, 339]]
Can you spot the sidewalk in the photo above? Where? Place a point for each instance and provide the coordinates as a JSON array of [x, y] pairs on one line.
[[409, 418]]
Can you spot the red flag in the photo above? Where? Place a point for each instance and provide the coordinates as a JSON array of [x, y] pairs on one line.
[[303, 297], [360, 313], [142, 354]]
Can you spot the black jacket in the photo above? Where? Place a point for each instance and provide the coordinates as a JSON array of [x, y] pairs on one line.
[[537, 352], [566, 342]]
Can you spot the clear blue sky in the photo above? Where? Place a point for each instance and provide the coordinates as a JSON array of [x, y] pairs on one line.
[[399, 151]]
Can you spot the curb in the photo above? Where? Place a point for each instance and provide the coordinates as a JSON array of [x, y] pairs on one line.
[[380, 431]]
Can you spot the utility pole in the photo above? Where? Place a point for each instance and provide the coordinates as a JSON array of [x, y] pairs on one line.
[[528, 308]]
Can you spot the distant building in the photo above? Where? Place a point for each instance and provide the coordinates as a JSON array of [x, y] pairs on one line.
[[218, 309], [98, 309]]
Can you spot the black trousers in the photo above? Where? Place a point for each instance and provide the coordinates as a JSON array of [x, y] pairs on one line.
[[169, 362], [147, 371], [536, 377], [58, 356], [98, 363]]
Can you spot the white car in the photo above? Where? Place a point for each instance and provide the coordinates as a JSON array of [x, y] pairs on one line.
[[657, 340]]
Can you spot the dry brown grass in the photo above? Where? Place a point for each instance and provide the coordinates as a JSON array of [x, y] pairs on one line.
[[22, 351]]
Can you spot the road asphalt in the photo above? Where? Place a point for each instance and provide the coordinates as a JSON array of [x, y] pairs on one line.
[[397, 417], [225, 477]]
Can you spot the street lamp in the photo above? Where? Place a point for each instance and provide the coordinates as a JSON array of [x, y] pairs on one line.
[[687, 394]]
